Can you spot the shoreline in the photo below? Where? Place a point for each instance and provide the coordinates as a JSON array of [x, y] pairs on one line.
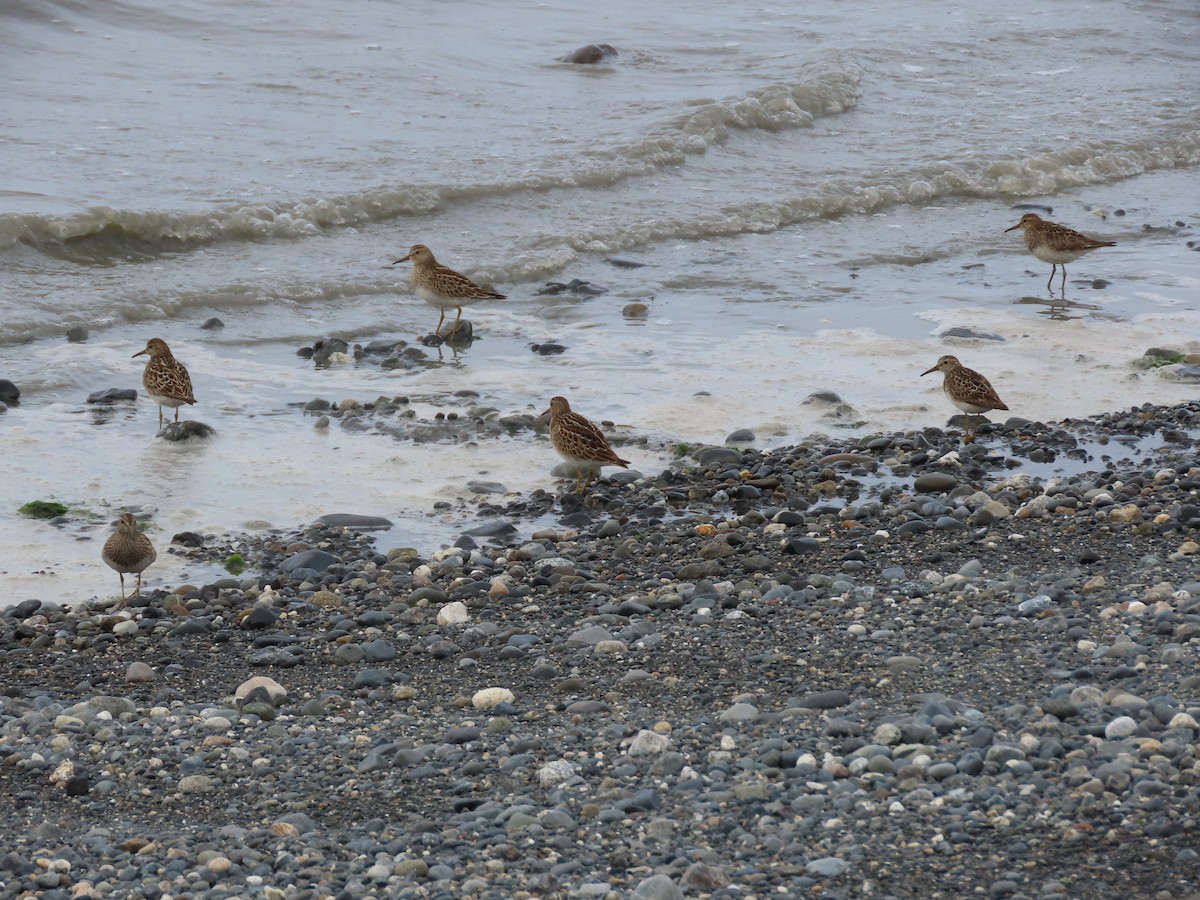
[[839, 666]]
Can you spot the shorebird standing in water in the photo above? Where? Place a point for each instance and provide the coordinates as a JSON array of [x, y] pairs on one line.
[[966, 389], [165, 379], [128, 551], [580, 443], [1055, 244], [442, 286]]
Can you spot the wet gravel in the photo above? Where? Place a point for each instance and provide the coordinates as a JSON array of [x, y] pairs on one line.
[[889, 666]]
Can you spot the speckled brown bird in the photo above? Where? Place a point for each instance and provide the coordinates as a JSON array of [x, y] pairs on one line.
[[1055, 244], [966, 389], [442, 286], [128, 551], [165, 379], [580, 443]]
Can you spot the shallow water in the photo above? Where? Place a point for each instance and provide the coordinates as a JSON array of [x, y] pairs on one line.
[[815, 196]]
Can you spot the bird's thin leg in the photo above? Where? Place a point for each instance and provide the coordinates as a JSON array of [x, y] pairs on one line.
[[1064, 280], [137, 592], [176, 422], [1050, 280], [160, 418], [579, 473], [457, 319], [121, 575], [441, 319]]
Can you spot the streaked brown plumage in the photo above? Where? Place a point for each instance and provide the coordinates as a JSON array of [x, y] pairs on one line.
[[442, 286], [580, 443], [1055, 244], [966, 389], [165, 379], [128, 551]]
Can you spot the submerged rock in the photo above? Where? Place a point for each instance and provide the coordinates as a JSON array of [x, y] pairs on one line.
[[356, 522], [185, 430], [112, 395], [590, 54]]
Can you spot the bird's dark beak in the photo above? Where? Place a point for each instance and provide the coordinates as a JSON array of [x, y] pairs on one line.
[[140, 353], [543, 415], [1014, 228], [927, 371], [402, 259]]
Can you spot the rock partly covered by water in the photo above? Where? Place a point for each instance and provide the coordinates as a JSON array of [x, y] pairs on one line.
[[881, 666], [590, 54]]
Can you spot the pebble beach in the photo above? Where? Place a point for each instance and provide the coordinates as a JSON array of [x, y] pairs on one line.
[[885, 666]]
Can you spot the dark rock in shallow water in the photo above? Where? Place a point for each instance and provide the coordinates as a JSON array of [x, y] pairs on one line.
[[382, 348], [574, 286], [112, 395], [185, 430], [317, 560], [9, 392], [213, 324], [972, 334], [492, 529], [324, 349], [823, 397], [625, 263], [1185, 372], [188, 539], [357, 523], [548, 349], [459, 335], [77, 334], [590, 54], [486, 487]]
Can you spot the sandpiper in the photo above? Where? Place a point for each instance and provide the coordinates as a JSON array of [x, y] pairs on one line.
[[580, 443], [966, 389], [128, 550], [165, 379], [442, 286], [1055, 244]]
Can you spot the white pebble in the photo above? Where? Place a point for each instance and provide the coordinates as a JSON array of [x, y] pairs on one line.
[[648, 743], [555, 773], [1120, 727], [490, 698], [63, 773], [1182, 720], [453, 614]]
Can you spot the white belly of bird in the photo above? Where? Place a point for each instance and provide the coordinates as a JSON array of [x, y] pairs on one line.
[[441, 301], [172, 402], [969, 408], [1056, 257], [582, 465]]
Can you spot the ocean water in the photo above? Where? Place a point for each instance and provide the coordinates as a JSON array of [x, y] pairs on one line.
[[816, 193]]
